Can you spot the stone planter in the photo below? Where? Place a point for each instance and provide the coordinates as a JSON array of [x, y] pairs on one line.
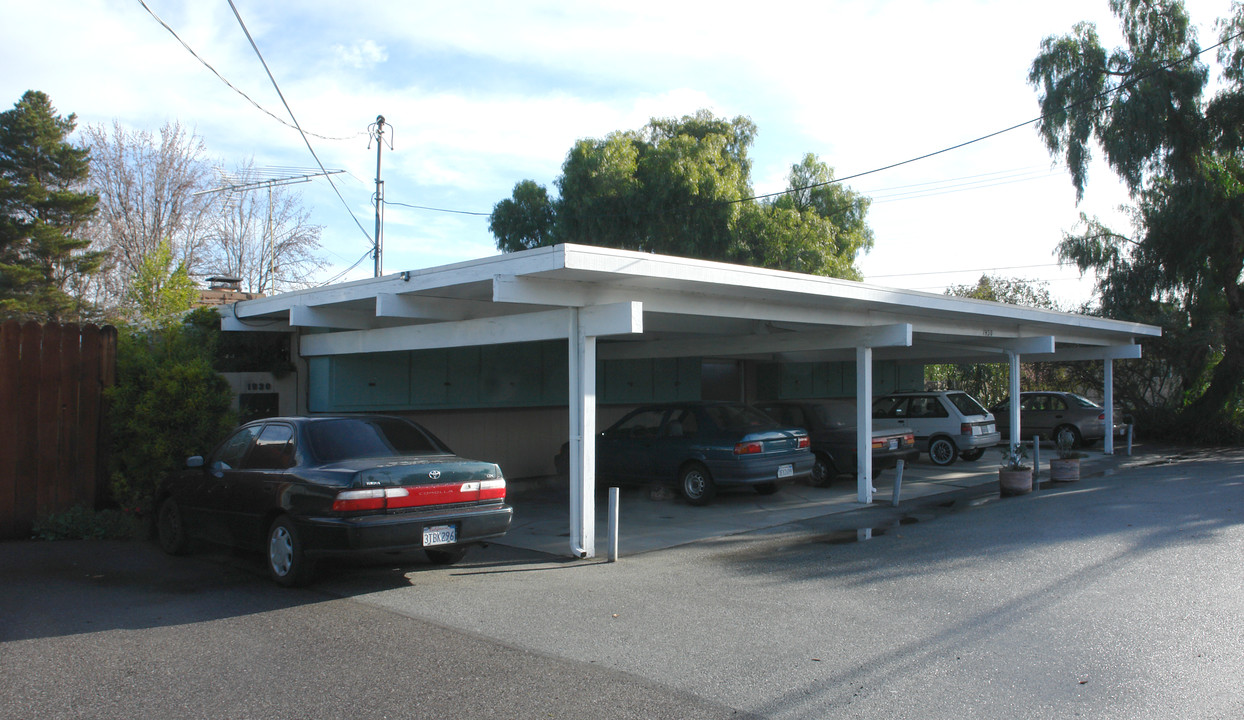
[[1014, 482], [1064, 469]]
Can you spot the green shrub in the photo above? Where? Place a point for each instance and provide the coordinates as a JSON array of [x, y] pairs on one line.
[[81, 523], [168, 404]]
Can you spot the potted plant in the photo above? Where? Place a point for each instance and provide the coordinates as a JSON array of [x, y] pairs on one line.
[[1015, 474], [1065, 467]]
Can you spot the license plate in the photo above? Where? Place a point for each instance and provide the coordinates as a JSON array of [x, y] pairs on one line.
[[440, 535], [785, 471], [893, 444]]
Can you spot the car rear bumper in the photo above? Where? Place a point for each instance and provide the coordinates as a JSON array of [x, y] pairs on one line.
[[757, 470], [401, 531]]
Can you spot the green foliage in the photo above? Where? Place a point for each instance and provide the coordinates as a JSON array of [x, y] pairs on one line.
[[990, 382], [81, 523], [168, 403], [1180, 150], [683, 187], [41, 211], [160, 291]]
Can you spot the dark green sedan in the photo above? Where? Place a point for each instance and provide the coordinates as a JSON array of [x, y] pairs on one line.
[[301, 488]]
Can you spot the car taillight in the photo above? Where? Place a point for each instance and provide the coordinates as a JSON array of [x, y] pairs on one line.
[[749, 448], [1102, 416], [909, 439], [418, 495], [965, 429], [804, 442]]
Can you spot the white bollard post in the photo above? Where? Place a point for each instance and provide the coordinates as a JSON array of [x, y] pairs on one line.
[[613, 524], [898, 482], [1129, 439], [1036, 462]]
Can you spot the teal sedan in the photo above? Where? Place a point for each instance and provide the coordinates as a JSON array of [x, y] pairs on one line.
[[699, 447]]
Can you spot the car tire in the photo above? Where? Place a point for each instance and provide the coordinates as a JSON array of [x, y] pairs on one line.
[[823, 472], [171, 528], [942, 451], [766, 488], [445, 556], [972, 455], [1070, 431], [696, 484], [287, 558]]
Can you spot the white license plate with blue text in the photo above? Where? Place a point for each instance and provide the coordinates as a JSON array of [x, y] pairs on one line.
[[440, 535], [785, 471]]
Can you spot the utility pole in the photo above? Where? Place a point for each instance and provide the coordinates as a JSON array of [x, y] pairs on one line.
[[377, 131]]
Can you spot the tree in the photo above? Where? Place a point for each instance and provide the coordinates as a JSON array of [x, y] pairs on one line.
[[990, 382], [160, 290], [682, 187], [43, 210], [264, 237], [1179, 150], [153, 191]]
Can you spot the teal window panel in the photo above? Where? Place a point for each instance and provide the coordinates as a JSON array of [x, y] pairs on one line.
[[429, 378], [463, 376], [510, 374], [911, 377], [319, 384], [380, 380], [796, 381], [626, 381]]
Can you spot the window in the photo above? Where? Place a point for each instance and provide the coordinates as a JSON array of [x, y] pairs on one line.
[[966, 404], [347, 438], [230, 454], [642, 424], [274, 449]]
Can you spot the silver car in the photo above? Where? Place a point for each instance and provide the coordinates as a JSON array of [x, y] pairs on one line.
[[948, 424], [1050, 414]]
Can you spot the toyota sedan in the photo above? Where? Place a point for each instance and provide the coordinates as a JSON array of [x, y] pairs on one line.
[[302, 488]]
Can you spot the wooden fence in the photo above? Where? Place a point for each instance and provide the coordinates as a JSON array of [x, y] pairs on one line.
[[52, 449]]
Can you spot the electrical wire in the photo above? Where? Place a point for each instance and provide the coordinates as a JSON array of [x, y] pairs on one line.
[[343, 273], [231, 86], [297, 126]]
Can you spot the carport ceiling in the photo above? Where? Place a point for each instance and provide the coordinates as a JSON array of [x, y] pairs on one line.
[[642, 305]]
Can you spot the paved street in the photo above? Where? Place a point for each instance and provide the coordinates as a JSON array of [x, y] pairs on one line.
[[1119, 596]]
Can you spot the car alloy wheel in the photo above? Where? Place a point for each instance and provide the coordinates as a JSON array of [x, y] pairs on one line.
[[822, 472], [942, 451]]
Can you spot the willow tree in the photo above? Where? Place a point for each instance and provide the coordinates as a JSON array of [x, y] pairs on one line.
[[1179, 148]]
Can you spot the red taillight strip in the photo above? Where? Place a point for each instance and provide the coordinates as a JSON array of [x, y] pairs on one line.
[[419, 495]]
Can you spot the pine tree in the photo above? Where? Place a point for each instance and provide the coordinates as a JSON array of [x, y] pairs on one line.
[[43, 212]]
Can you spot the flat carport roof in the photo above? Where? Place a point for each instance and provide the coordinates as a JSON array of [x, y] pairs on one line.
[[616, 304]]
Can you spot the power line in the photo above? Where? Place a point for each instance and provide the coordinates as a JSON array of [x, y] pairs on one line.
[[297, 126], [224, 80]]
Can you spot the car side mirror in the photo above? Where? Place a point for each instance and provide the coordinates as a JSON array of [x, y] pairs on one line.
[[194, 461]]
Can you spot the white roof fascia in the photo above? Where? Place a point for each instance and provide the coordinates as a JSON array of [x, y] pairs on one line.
[[618, 319], [882, 336]]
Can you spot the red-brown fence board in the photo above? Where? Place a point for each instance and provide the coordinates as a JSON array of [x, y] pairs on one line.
[[51, 398]]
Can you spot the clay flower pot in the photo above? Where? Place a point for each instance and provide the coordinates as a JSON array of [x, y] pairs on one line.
[[1064, 469], [1014, 481]]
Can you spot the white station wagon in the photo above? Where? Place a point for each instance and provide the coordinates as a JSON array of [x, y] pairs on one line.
[[948, 424]]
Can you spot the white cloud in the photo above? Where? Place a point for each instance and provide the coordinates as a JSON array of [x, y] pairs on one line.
[[361, 55]]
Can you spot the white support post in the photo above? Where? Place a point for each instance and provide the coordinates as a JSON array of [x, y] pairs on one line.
[[582, 439], [614, 501], [1017, 436], [864, 423], [1108, 401]]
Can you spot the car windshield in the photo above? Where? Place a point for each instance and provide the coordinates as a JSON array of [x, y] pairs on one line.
[[836, 415], [738, 418], [966, 404], [349, 438], [1081, 401]]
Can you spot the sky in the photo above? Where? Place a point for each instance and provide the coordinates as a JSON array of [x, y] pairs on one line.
[[478, 96]]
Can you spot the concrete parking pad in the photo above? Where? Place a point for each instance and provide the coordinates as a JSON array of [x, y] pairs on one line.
[[650, 519]]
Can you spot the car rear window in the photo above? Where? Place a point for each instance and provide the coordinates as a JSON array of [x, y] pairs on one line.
[[348, 438], [836, 415], [1081, 401], [966, 404], [738, 418]]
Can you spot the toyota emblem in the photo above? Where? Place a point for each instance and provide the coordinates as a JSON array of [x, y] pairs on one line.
[[435, 474]]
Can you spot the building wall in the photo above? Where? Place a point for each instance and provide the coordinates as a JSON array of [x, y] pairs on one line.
[[509, 403]]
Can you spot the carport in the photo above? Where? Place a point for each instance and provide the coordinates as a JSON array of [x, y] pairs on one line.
[[620, 305]]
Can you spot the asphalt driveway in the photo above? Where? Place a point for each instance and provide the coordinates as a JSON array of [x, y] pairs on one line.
[[1114, 597]]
